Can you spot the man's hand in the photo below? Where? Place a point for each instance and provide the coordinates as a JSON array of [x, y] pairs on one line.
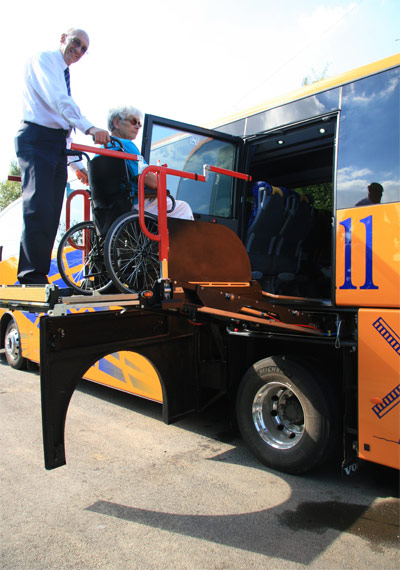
[[100, 135], [82, 176]]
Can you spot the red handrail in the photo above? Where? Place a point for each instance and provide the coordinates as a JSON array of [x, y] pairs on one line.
[[231, 173], [161, 173], [106, 151], [86, 207]]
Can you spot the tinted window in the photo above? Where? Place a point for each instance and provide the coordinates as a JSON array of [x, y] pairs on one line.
[[369, 139], [189, 152], [306, 108]]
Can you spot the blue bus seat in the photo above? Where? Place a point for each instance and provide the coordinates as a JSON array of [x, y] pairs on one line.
[[265, 225]]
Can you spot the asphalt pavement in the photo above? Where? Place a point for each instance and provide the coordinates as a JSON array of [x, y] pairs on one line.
[[138, 494]]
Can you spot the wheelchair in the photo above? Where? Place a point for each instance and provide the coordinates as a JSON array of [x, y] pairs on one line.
[[110, 251]]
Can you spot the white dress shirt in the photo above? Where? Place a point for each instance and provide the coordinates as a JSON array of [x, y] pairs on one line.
[[45, 100]]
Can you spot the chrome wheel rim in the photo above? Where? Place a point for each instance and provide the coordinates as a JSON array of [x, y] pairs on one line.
[[278, 416], [12, 344]]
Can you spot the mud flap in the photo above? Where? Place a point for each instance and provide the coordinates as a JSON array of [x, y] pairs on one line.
[[71, 344]]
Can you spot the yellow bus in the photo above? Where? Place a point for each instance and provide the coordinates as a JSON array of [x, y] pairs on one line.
[[312, 249]]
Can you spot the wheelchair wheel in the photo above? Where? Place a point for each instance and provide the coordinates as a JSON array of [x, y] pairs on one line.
[[131, 258], [80, 260]]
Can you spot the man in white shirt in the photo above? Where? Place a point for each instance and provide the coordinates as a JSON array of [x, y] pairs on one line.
[[49, 115]]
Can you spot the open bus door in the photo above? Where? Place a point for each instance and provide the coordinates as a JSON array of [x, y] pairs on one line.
[[188, 148]]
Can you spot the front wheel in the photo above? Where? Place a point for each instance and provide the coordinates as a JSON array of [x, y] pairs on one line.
[[12, 344], [285, 414]]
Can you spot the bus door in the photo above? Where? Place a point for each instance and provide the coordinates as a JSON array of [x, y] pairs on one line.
[[289, 229], [186, 147]]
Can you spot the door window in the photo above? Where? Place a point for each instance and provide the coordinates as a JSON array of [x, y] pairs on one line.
[[189, 151]]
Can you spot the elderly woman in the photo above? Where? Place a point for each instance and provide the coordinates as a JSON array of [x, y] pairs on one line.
[[124, 124]]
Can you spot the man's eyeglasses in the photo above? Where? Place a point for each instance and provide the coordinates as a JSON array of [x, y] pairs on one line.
[[78, 44], [133, 122]]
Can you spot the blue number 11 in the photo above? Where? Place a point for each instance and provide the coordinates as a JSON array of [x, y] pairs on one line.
[[369, 284]]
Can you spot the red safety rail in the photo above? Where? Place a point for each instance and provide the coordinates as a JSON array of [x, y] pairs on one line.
[[161, 173], [86, 207], [106, 151], [231, 173]]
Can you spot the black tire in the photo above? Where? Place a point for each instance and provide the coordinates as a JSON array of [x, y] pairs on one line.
[[131, 258], [80, 260], [12, 345], [285, 414]]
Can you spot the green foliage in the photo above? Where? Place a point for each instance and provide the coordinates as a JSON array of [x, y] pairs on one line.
[[10, 191], [322, 194], [315, 76]]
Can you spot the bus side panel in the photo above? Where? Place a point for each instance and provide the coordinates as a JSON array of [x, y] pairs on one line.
[[128, 372], [28, 326], [368, 256], [8, 271], [379, 386]]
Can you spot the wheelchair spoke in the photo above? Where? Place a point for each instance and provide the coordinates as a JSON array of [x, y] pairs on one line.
[[132, 258], [80, 259]]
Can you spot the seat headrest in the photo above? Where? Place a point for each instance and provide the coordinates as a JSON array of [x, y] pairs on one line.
[[261, 185], [278, 190]]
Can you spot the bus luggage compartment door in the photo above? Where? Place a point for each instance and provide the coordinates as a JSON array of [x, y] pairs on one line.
[[379, 386]]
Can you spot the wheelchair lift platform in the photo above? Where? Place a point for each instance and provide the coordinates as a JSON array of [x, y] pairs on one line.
[[54, 301], [209, 280]]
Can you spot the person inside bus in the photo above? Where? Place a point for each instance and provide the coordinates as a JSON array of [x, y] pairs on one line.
[[375, 191], [124, 123]]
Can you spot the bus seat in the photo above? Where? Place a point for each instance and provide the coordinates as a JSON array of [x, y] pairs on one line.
[[265, 226], [316, 258], [288, 253]]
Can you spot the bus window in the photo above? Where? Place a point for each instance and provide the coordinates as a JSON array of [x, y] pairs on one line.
[[215, 197], [304, 109], [368, 149], [280, 115], [189, 152]]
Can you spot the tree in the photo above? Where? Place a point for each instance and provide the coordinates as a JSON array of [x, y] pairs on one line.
[[10, 191], [315, 76]]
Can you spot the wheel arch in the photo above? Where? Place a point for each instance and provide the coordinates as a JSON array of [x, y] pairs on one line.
[[5, 319]]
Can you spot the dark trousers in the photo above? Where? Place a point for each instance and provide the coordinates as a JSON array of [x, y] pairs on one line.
[[41, 156]]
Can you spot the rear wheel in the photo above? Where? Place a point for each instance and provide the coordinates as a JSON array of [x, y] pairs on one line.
[[285, 415], [12, 344], [80, 260], [130, 256]]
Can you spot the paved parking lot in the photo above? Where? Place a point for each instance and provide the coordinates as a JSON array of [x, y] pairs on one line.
[[137, 494]]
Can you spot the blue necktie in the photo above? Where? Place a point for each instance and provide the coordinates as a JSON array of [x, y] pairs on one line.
[[67, 80]]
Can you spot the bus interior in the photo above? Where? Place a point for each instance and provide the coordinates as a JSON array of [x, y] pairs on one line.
[[289, 208]]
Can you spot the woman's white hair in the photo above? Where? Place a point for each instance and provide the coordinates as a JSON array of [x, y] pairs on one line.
[[122, 112]]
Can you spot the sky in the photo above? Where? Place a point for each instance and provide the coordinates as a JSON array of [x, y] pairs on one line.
[[196, 62]]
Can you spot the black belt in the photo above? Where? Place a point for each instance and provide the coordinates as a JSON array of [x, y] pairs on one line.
[[63, 131]]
